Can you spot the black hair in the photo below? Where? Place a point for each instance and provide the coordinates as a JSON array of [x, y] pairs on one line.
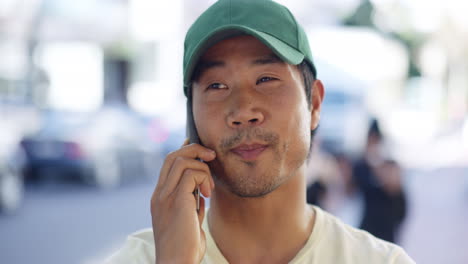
[[309, 75], [374, 129]]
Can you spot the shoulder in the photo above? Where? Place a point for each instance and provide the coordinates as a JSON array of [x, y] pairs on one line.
[[355, 245], [144, 236], [138, 248]]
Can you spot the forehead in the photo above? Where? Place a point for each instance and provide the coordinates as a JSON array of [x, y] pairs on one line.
[[244, 45]]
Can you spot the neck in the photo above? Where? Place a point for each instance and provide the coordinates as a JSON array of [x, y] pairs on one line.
[[267, 229]]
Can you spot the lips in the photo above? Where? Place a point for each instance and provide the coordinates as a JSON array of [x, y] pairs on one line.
[[249, 151]]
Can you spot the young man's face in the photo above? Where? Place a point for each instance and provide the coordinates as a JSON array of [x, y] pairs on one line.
[[251, 108]]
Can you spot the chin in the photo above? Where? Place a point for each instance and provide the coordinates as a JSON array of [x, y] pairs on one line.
[[247, 182], [250, 190]]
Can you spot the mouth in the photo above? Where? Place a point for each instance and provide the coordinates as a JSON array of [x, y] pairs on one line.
[[249, 151]]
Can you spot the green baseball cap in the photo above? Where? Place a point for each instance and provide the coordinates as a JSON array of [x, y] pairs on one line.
[[268, 21]]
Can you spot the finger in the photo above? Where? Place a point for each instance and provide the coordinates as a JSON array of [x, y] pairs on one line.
[[180, 165], [192, 151], [189, 182], [186, 142]]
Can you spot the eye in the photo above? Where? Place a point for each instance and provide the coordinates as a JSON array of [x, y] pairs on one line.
[[217, 86], [265, 79]]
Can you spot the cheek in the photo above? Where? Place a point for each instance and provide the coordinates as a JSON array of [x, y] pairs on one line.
[[299, 129], [295, 116], [206, 122]]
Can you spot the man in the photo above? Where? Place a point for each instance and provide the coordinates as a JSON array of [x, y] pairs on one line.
[[253, 101], [379, 180]]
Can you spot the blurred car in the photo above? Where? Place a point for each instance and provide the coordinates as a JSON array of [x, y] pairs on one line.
[[102, 148], [174, 140], [11, 180], [12, 158]]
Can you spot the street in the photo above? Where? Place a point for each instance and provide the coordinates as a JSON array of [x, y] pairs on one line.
[[73, 223], [436, 228]]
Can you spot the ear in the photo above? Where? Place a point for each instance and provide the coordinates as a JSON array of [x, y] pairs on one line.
[[318, 93]]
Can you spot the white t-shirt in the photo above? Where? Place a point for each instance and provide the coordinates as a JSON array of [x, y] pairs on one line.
[[331, 241]]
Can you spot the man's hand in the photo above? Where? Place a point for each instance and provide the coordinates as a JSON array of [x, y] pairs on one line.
[[178, 235]]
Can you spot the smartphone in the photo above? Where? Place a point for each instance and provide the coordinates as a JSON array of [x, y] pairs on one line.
[[192, 135]]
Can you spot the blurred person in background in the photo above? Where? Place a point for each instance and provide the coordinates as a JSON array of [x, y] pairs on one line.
[[253, 102], [379, 179], [347, 203]]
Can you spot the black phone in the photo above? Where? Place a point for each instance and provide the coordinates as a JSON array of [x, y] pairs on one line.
[[192, 135], [191, 130]]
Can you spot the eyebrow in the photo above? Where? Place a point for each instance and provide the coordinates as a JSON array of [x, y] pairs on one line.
[[269, 59], [205, 65]]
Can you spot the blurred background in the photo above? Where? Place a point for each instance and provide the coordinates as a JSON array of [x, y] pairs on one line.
[[91, 101]]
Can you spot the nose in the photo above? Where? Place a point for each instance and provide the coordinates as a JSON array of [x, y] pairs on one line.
[[245, 111]]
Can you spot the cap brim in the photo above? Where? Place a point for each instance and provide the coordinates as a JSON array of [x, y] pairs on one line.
[[281, 49]]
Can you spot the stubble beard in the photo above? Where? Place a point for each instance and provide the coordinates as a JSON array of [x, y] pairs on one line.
[[249, 179]]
